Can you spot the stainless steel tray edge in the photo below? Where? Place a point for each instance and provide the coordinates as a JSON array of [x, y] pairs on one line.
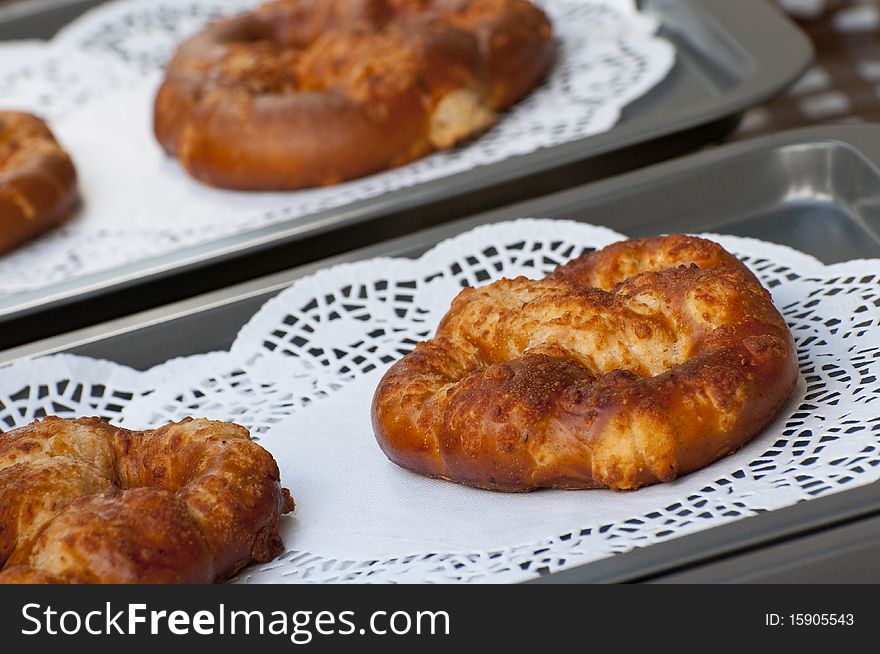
[[863, 139]]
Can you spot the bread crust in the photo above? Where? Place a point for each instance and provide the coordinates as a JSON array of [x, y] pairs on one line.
[[629, 366], [37, 180], [303, 93], [82, 501]]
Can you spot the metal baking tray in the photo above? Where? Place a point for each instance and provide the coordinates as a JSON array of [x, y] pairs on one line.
[[817, 190], [730, 56]]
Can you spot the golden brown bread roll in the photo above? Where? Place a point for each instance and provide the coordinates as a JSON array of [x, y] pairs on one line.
[[628, 366], [301, 93], [37, 180], [82, 501]]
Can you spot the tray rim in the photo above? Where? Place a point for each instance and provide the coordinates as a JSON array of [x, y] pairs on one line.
[[19, 9], [772, 69], [862, 139], [649, 563]]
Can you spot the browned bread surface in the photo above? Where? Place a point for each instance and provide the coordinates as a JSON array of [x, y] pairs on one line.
[[37, 180], [302, 93], [82, 501], [628, 366]]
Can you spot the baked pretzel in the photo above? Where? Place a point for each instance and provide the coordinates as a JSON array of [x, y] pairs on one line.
[[628, 366], [82, 501], [37, 180], [302, 93]]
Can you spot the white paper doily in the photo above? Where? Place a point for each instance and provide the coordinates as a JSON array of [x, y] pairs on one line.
[[96, 80], [301, 374]]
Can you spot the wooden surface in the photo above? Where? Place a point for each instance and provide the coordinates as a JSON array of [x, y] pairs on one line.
[[844, 83]]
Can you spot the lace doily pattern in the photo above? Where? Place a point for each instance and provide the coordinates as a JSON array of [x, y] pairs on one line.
[[310, 349], [96, 80]]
